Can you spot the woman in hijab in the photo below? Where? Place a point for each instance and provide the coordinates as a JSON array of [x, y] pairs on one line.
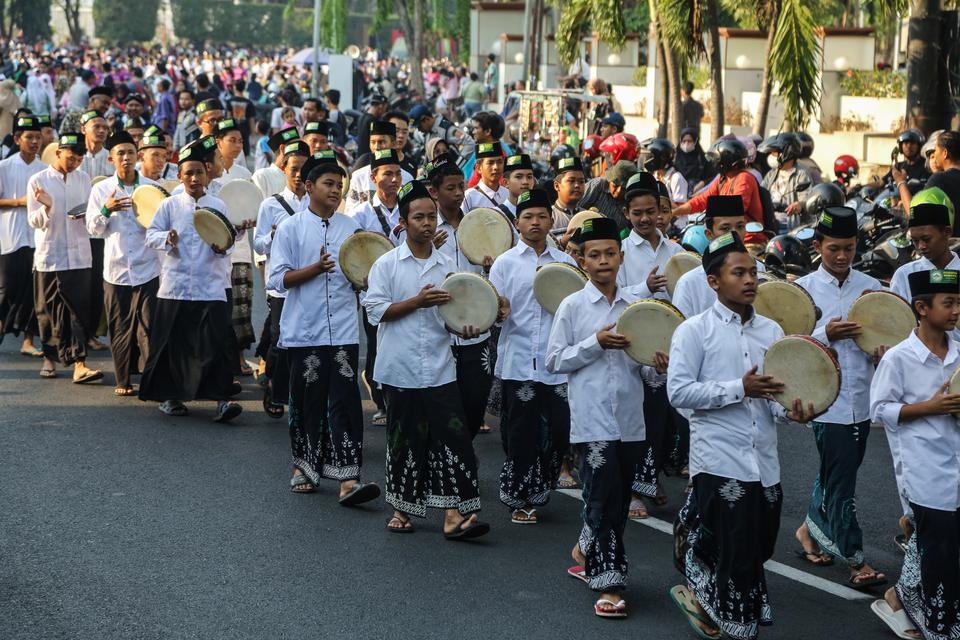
[[691, 162]]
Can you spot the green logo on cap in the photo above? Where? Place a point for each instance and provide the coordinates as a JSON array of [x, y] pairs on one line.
[[88, 116], [185, 153], [587, 226], [149, 140], [68, 140], [290, 148], [311, 126], [943, 276], [721, 242], [564, 163], [208, 143], [485, 147], [524, 197], [24, 122], [826, 220], [428, 168], [325, 154], [512, 160], [404, 190], [288, 135], [227, 123], [383, 153]]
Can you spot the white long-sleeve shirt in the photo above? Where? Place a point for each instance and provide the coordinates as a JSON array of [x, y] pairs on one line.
[[604, 387], [639, 259], [731, 435], [362, 187], [270, 180], [522, 350], [900, 282], [926, 450], [834, 300], [413, 352], [322, 311], [270, 215], [127, 260], [693, 295], [15, 231], [367, 218], [483, 196], [237, 171], [191, 270], [61, 243], [97, 164]]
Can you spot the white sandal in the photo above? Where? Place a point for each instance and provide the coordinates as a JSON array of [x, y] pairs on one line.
[[898, 621]]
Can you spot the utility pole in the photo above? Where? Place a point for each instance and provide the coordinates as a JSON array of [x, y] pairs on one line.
[[315, 80]]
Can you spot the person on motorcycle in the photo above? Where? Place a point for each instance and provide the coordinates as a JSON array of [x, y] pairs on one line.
[[946, 157], [606, 193], [914, 165], [845, 170], [692, 163], [428, 125], [806, 161], [786, 181], [612, 123], [613, 149], [656, 155]]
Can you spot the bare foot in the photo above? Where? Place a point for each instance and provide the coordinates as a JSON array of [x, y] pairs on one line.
[[346, 486], [814, 555], [399, 521], [578, 556], [452, 520], [906, 526], [713, 632]]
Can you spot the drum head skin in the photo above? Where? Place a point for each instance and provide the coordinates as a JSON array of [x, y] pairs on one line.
[[359, 252], [146, 200], [213, 227], [554, 282], [579, 218], [473, 301], [97, 179], [49, 154], [242, 198], [807, 369], [484, 232], [649, 325], [169, 185], [679, 264], [886, 320], [787, 304], [954, 386]]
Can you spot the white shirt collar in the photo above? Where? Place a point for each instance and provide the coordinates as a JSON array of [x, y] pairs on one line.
[[729, 316], [916, 346]]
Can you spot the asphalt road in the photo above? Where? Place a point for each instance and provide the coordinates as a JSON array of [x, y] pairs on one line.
[[119, 522]]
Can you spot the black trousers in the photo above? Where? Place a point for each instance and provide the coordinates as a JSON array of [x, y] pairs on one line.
[[474, 377], [62, 304], [16, 293], [326, 417], [376, 392], [278, 367], [96, 287], [129, 318], [430, 458]]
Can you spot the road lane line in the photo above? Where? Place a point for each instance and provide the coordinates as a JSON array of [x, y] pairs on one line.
[[771, 565]]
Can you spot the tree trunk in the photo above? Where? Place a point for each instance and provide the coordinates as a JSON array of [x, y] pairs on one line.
[[927, 94], [662, 108], [763, 106], [673, 70], [413, 33], [716, 68]]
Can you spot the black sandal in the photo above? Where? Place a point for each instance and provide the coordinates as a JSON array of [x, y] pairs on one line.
[[300, 483], [475, 530], [272, 409], [406, 528]]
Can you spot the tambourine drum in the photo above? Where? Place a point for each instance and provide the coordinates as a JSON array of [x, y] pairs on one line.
[[484, 232], [97, 179], [649, 325], [169, 185], [213, 227], [679, 264], [359, 252], [78, 211], [885, 318], [954, 386], [579, 218], [242, 198], [787, 304], [49, 154], [554, 282], [807, 369], [146, 200], [473, 301]]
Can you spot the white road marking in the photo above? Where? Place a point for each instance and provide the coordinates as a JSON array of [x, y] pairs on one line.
[[771, 565]]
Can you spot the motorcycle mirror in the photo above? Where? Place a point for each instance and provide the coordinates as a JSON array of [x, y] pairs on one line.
[[754, 227], [805, 234], [803, 186]]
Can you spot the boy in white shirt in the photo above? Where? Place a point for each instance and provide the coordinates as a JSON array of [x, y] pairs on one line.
[[488, 192], [518, 178]]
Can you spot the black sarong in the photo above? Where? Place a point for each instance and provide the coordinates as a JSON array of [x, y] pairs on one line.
[[474, 376], [97, 318], [190, 357], [278, 366], [606, 474], [62, 304], [535, 429], [732, 532], [656, 417], [929, 584], [370, 331], [16, 293], [325, 415], [129, 318], [241, 277], [430, 458]]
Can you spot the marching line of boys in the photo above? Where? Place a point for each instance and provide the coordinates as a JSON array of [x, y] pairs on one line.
[[565, 378]]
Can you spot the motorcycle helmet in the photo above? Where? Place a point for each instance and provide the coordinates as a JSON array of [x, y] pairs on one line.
[[656, 154], [727, 155], [806, 144], [787, 255], [934, 195], [620, 146], [694, 238], [910, 135], [751, 147], [591, 146], [927, 149], [846, 168], [786, 144], [823, 195]]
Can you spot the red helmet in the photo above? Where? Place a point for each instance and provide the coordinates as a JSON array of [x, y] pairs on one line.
[[620, 146], [845, 167], [591, 145]]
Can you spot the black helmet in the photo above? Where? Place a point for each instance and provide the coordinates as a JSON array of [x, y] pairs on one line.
[[787, 255], [656, 153], [806, 144], [562, 151], [726, 155], [825, 194], [787, 144], [911, 135]]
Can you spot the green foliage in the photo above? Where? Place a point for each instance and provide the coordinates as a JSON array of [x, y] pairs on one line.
[[796, 47], [640, 76], [333, 25], [874, 84], [604, 16], [681, 23], [243, 24], [121, 21], [461, 27], [636, 18], [33, 17]]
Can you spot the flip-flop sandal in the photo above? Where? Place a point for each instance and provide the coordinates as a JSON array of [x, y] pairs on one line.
[[638, 510], [379, 419], [567, 482], [175, 409], [485, 428], [898, 621], [873, 581], [680, 596], [806, 555], [32, 353], [475, 530], [123, 391], [270, 407], [360, 493], [406, 528], [301, 484], [619, 608], [90, 375], [901, 541], [578, 572], [529, 517], [48, 374]]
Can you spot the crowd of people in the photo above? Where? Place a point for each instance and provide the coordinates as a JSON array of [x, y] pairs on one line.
[[77, 262]]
